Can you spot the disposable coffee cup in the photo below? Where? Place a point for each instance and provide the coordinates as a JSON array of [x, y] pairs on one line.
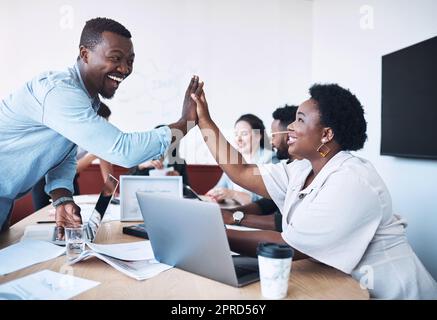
[[274, 262]]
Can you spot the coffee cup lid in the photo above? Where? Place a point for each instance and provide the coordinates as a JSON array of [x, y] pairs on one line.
[[274, 250]]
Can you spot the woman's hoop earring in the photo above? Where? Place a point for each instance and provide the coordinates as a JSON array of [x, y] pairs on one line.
[[324, 152]]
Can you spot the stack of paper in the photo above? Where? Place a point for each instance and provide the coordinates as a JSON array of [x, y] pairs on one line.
[[135, 259], [160, 172]]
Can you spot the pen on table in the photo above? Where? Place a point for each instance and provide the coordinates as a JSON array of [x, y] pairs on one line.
[[46, 221]]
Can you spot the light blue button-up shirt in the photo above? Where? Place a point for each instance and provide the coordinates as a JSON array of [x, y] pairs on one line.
[[41, 125]]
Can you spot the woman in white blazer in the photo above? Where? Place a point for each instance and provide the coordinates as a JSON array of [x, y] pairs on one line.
[[336, 209]]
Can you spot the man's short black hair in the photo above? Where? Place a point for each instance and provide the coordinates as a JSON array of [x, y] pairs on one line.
[[285, 115], [342, 111], [92, 32]]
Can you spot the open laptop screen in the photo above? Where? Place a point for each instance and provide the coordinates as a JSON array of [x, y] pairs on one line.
[[106, 194]]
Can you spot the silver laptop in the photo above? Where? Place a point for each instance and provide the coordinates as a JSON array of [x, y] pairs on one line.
[[191, 235], [49, 233]]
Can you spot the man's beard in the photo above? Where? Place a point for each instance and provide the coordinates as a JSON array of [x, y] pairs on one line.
[[107, 95], [282, 155]]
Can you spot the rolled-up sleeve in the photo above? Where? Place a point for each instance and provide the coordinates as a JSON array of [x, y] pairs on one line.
[[68, 111], [276, 180], [62, 175]]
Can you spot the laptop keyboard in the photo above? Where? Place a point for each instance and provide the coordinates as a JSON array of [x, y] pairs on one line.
[[241, 272]]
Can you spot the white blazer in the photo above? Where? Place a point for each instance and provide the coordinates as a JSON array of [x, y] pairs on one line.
[[344, 219]]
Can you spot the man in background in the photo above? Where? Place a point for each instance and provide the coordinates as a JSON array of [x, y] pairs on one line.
[[263, 213]]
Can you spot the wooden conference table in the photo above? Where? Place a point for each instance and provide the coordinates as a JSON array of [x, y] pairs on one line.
[[308, 280]]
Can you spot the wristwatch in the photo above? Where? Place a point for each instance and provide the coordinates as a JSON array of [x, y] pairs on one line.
[[62, 200], [238, 217]]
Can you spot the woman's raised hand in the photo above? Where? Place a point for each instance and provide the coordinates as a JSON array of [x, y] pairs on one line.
[[202, 105]]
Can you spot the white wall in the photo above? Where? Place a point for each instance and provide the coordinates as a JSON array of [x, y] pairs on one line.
[[253, 55], [346, 53]]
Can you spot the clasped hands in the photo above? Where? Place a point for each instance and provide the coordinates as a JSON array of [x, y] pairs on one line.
[[195, 107]]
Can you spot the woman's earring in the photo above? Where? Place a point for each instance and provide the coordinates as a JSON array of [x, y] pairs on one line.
[[325, 148]]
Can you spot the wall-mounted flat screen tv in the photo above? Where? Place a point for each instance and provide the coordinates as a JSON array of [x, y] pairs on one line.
[[409, 101]]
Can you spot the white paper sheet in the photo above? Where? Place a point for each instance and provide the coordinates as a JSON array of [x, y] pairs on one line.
[[45, 285], [111, 214], [160, 172], [240, 228], [86, 210], [26, 253], [131, 251], [42, 232], [87, 202], [135, 259]]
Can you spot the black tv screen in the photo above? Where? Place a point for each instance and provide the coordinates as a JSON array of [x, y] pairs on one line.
[[409, 101]]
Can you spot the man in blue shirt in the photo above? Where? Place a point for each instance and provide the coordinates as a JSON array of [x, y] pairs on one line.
[[42, 123]]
